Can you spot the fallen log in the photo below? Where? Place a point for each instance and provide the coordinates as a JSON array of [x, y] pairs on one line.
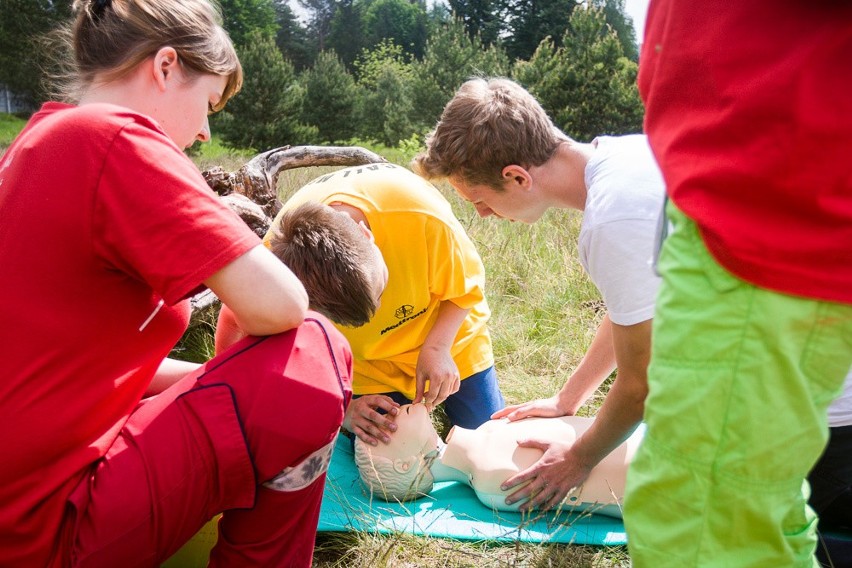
[[258, 178], [252, 191]]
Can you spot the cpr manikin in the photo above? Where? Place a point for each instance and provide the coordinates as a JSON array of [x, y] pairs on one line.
[[483, 458]]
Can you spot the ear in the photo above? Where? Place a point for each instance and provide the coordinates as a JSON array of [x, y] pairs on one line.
[[366, 230], [166, 64], [516, 176], [356, 214], [404, 465]]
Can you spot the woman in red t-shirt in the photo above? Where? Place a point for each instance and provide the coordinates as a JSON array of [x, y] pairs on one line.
[[96, 297]]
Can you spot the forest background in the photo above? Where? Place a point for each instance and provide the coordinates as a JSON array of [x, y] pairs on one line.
[[377, 73], [380, 71]]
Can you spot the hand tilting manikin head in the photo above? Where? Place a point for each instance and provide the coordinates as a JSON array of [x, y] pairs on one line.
[[484, 458], [400, 470]]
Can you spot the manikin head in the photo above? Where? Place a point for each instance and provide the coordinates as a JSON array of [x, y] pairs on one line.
[[399, 471]]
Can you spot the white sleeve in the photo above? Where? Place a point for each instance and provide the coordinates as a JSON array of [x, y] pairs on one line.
[[617, 257], [840, 411]]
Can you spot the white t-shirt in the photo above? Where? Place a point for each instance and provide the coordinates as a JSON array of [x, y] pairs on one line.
[[840, 411], [617, 235]]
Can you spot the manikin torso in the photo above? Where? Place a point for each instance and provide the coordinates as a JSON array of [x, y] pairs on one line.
[[489, 455], [486, 457]]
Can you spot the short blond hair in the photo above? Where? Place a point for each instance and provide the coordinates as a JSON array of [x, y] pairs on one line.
[[109, 38], [488, 125]]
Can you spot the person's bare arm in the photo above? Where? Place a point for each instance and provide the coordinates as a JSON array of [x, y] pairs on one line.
[[264, 296], [594, 368], [564, 466], [168, 373], [227, 331], [435, 363]]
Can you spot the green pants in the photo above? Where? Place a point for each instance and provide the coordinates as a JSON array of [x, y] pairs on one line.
[[740, 379]]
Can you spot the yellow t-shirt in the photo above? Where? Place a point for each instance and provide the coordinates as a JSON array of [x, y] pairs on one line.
[[430, 259]]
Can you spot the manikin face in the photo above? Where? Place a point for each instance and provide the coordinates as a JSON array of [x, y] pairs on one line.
[[399, 471], [415, 435], [515, 203]]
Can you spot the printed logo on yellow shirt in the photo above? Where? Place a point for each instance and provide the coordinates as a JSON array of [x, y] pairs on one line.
[[403, 314], [404, 311]]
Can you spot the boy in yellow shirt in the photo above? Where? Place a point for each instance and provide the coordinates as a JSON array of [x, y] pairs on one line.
[[426, 339]]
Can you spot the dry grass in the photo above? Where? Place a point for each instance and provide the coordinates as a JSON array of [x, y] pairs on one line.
[[343, 550]]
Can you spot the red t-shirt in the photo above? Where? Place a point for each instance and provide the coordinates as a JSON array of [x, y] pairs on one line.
[[103, 219], [749, 113]]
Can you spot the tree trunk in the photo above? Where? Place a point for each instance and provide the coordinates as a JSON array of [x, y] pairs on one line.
[[257, 180]]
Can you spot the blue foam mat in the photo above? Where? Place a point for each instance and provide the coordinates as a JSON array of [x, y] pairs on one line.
[[451, 510]]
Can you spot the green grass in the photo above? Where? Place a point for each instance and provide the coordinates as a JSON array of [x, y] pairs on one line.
[[345, 550], [10, 126], [215, 153]]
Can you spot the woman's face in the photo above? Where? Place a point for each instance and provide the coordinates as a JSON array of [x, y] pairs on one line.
[[183, 111]]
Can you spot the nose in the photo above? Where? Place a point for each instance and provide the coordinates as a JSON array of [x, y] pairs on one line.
[[204, 133], [483, 210]]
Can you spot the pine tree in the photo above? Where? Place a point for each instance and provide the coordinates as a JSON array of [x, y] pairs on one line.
[[292, 37], [528, 22], [385, 105], [480, 18], [331, 94], [622, 24], [346, 32], [400, 21], [242, 18], [587, 86], [24, 57], [267, 112], [451, 58]]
